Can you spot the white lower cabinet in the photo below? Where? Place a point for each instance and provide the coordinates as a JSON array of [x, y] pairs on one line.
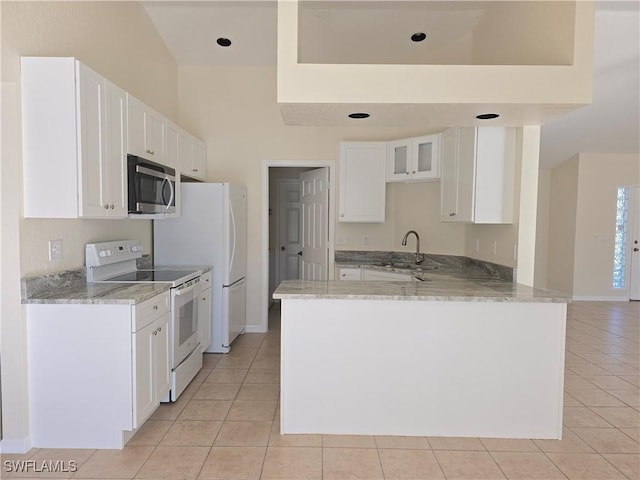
[[370, 274], [385, 276], [152, 369], [349, 274], [96, 372]]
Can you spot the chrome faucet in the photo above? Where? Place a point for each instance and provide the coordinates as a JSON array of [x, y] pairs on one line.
[[419, 256]]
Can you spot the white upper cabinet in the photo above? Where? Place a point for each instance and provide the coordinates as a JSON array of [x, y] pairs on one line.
[[477, 181], [413, 159], [192, 154], [74, 134], [362, 182], [172, 154], [199, 165], [147, 132]]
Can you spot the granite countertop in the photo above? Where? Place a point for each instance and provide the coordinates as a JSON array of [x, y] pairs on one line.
[[98, 293], [444, 278], [71, 287], [435, 288]]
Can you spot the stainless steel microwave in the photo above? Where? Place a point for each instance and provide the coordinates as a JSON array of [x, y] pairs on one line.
[[151, 187]]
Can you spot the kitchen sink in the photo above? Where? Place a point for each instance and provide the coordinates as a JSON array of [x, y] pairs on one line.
[[411, 266]]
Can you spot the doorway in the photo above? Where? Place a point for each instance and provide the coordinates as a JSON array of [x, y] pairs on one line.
[[297, 224]]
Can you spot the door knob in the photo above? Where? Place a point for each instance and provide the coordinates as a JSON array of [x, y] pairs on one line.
[[300, 253], [282, 248]]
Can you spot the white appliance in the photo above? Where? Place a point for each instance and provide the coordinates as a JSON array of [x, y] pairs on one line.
[[115, 262], [211, 230]]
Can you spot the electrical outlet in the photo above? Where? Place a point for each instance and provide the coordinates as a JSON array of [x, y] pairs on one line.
[[55, 250], [341, 240], [365, 239], [494, 247]]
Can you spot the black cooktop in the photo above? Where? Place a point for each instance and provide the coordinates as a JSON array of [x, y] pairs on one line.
[[152, 276]]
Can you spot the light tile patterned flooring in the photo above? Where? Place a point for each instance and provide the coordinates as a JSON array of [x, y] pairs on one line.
[[226, 424]]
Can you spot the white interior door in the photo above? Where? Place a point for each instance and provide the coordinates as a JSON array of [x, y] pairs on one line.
[[288, 261], [314, 232], [634, 244]]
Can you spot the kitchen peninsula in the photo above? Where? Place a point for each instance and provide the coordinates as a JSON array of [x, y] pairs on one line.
[[452, 355]]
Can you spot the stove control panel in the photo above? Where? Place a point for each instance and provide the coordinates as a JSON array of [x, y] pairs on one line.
[[107, 253]]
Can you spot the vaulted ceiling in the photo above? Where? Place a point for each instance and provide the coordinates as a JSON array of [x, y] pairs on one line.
[[378, 32]]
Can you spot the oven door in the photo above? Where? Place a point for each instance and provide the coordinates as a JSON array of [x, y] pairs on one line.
[[184, 326], [152, 187]]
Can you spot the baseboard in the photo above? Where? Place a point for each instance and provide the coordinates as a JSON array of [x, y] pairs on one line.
[[15, 445], [587, 298], [254, 329]]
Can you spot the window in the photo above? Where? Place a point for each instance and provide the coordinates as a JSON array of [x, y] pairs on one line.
[[620, 246]]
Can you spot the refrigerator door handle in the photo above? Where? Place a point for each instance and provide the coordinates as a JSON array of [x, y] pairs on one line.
[[233, 238]]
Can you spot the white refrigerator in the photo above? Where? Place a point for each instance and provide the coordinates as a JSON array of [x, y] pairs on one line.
[[211, 230]]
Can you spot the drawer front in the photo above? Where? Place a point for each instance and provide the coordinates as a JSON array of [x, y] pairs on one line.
[[385, 276], [147, 311], [350, 274]]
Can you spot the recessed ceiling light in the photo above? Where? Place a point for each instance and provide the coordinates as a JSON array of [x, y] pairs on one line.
[[359, 115], [418, 37], [223, 42], [487, 116]]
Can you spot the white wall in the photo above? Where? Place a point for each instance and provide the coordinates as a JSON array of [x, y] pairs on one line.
[[562, 226], [599, 177], [582, 223], [234, 110], [118, 40], [542, 232]]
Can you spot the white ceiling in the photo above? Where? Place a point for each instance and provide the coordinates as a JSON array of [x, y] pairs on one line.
[[611, 124]]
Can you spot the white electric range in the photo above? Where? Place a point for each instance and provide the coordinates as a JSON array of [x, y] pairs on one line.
[[115, 262]]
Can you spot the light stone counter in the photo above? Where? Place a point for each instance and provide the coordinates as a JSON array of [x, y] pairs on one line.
[[98, 293], [71, 287], [436, 287]]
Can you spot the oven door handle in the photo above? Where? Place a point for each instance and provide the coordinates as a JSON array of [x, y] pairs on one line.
[[184, 291]]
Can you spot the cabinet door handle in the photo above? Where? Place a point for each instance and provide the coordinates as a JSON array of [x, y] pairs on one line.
[[112, 206], [413, 171], [159, 329], [155, 307], [106, 207], [151, 152], [342, 214], [194, 170], [452, 214], [155, 332]]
